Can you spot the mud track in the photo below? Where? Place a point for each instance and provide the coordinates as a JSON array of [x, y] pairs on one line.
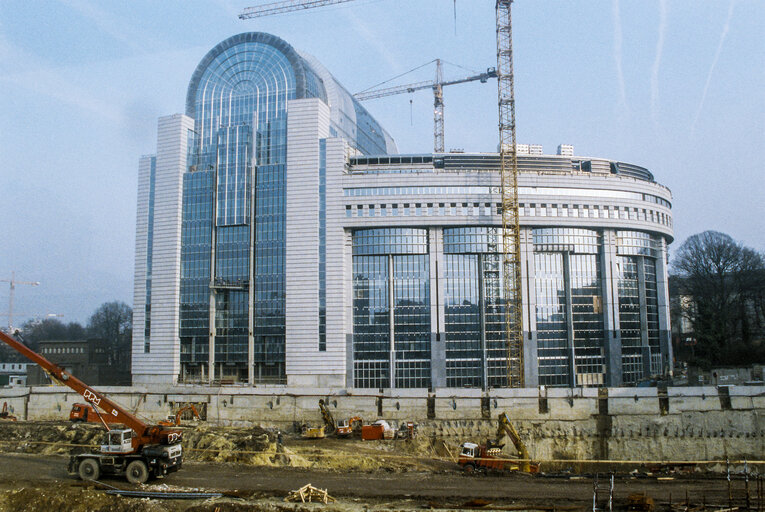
[[380, 490]]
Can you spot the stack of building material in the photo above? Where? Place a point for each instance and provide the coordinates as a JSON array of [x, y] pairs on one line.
[[309, 493]]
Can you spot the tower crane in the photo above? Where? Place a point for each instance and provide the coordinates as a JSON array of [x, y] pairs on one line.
[[438, 97], [13, 282], [511, 232]]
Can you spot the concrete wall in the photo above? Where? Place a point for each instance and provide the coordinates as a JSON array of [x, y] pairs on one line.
[[700, 423]]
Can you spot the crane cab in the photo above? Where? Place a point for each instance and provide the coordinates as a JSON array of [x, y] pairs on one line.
[[118, 441]]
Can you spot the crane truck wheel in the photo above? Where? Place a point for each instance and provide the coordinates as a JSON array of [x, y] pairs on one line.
[[89, 469], [469, 468], [137, 472]]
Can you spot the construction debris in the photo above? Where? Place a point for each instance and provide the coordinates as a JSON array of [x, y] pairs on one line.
[[640, 502], [309, 493]]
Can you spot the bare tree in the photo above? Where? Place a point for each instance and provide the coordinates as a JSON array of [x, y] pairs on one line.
[[113, 322], [726, 283]]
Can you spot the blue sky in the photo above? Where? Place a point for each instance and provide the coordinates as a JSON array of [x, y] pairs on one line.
[[677, 86]]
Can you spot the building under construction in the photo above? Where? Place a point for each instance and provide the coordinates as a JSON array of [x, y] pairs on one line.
[[281, 239]]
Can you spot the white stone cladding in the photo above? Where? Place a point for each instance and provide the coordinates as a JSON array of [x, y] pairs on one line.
[[307, 121], [339, 323], [162, 363], [141, 242]]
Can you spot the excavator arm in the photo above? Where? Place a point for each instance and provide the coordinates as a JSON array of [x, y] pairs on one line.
[[505, 426], [329, 420]]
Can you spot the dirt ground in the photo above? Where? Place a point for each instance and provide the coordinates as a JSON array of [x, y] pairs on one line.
[[255, 474]]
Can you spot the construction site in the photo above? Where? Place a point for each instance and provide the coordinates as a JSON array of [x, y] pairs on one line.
[[437, 355], [607, 449]]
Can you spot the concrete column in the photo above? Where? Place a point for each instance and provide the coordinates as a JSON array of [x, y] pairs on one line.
[[529, 303], [610, 304], [482, 320], [645, 347], [348, 320], [569, 319], [162, 365], [437, 310], [251, 255], [392, 326], [211, 339], [662, 289], [308, 122]]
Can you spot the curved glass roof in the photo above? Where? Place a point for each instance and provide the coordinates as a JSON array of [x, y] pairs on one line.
[[256, 72]]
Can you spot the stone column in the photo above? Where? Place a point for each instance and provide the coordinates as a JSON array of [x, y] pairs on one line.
[[610, 302], [437, 310]]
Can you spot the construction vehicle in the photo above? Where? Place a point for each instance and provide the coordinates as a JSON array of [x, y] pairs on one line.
[[88, 413], [489, 456], [5, 415], [175, 420], [310, 432], [138, 452], [347, 427], [329, 427], [407, 430], [329, 421]]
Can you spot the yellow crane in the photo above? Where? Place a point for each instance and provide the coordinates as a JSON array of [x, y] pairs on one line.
[[508, 163]]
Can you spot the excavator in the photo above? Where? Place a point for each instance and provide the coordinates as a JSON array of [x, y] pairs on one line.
[[5, 415], [138, 452], [175, 421], [488, 456], [347, 427], [328, 428]]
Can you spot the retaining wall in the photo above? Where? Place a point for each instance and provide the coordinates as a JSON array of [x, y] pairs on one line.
[[684, 423]]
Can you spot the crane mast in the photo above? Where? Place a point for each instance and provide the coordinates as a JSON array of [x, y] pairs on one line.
[[508, 164], [438, 110]]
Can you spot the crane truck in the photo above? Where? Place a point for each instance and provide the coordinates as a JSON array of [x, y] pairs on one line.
[[138, 452]]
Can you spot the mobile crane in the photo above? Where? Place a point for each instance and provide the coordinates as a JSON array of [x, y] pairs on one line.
[[138, 452]]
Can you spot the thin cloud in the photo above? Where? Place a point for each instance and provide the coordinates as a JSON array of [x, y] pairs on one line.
[[723, 36], [657, 60], [111, 25], [47, 82], [617, 20], [375, 40]]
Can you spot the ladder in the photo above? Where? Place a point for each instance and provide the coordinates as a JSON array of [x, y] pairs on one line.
[[603, 493]]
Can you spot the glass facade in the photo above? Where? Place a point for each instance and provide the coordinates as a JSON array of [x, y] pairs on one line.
[[234, 212], [391, 308], [474, 307], [569, 312], [639, 305], [391, 279]]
